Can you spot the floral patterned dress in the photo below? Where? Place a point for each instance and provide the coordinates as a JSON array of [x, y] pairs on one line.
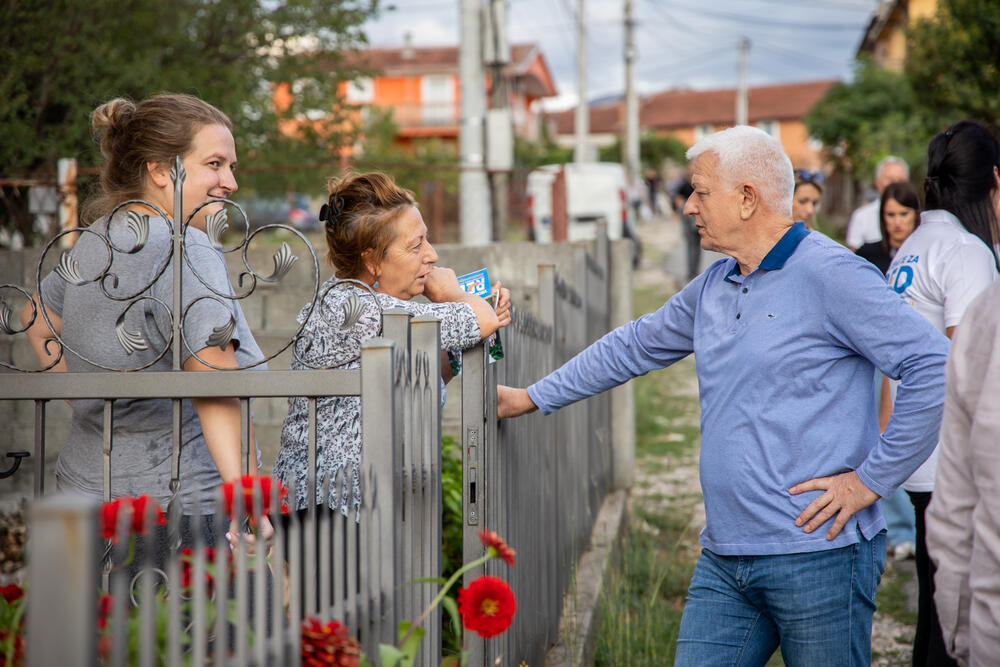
[[332, 336]]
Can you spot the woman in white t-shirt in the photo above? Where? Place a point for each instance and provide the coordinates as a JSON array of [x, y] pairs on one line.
[[945, 264]]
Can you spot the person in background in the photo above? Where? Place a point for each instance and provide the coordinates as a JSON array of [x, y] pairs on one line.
[[940, 269], [787, 332], [653, 184], [692, 240], [899, 215], [139, 142], [963, 524], [806, 197], [375, 235], [863, 226]]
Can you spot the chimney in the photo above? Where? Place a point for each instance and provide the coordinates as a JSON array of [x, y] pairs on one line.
[[408, 51]]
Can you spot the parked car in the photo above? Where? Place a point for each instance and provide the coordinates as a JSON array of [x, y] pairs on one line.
[[595, 191], [294, 210]]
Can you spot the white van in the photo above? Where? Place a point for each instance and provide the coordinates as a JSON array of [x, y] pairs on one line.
[[594, 191]]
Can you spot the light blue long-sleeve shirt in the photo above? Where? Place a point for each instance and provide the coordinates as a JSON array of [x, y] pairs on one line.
[[785, 359]]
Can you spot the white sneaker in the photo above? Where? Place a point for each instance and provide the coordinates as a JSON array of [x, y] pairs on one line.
[[904, 551]]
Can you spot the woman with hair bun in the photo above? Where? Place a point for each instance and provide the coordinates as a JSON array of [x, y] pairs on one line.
[[940, 269], [375, 236], [139, 142]]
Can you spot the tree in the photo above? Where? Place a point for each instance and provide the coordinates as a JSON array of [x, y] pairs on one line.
[[59, 60], [872, 116], [654, 150], [953, 63]]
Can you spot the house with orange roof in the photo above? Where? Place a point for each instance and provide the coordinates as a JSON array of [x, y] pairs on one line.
[[691, 114], [420, 86], [885, 37]]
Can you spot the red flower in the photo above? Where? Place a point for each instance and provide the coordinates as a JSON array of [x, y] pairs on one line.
[[328, 644], [487, 606], [11, 593], [103, 611], [246, 489], [138, 506], [493, 541], [187, 567]]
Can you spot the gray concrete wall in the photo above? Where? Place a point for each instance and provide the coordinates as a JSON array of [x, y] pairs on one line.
[[271, 312]]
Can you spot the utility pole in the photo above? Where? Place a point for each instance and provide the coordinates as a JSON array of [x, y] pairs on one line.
[[631, 142], [474, 194], [741, 92], [581, 153], [499, 127]]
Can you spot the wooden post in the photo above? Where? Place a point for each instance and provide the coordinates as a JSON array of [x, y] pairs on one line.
[[560, 216], [68, 217]]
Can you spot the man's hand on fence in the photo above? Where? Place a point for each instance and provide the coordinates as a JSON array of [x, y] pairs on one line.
[[513, 402]]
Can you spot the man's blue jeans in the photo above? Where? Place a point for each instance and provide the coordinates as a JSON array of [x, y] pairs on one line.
[[817, 606]]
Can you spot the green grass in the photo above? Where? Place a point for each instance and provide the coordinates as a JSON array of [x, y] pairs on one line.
[[641, 608], [891, 596]]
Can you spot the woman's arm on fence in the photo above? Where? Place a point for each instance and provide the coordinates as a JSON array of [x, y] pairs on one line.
[[220, 417], [39, 332], [221, 425], [442, 285]]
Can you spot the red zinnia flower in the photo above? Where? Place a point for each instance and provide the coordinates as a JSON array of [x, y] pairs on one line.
[[246, 489], [328, 644], [103, 611], [138, 505], [494, 541], [187, 567], [11, 593], [487, 606]]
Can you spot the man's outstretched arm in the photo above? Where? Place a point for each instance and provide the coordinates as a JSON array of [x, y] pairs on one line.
[[513, 402]]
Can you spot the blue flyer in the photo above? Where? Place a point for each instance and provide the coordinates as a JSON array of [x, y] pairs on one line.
[[478, 283]]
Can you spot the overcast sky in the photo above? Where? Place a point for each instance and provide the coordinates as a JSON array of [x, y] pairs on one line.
[[680, 43]]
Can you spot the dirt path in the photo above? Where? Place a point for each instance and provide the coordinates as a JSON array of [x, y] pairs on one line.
[[671, 481]]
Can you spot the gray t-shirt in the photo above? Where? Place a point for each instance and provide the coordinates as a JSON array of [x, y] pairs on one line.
[[140, 459]]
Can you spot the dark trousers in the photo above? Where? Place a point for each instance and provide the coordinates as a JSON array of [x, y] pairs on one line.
[[928, 644], [692, 242]]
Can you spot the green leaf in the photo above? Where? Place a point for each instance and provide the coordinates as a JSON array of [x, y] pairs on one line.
[[409, 648], [452, 608], [390, 656]]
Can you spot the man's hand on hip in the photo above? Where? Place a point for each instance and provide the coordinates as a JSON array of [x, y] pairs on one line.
[[844, 495]]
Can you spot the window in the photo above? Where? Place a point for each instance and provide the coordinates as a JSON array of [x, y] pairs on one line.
[[360, 91], [437, 94], [771, 127], [702, 131]]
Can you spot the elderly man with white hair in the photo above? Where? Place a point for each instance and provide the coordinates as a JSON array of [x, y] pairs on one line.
[[787, 333]]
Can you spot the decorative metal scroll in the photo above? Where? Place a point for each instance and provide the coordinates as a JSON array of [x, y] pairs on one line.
[[138, 225]]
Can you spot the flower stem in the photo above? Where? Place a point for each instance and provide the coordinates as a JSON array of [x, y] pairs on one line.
[[490, 553]]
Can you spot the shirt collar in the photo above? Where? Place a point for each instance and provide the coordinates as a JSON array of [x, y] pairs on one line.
[[782, 250]]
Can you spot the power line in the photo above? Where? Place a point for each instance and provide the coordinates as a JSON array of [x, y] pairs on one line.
[[744, 19]]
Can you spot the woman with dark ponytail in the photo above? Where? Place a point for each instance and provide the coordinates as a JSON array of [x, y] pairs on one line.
[[940, 269]]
